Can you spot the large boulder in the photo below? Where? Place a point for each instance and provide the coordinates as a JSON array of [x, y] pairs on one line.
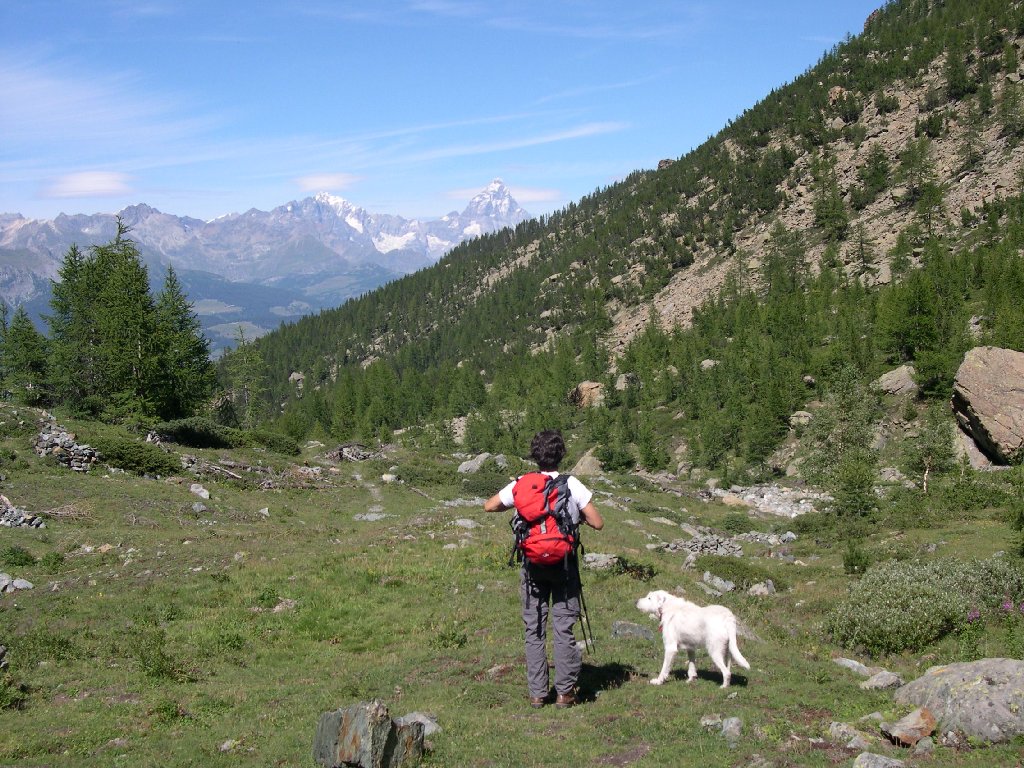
[[984, 699], [899, 381], [364, 735], [988, 399], [587, 394]]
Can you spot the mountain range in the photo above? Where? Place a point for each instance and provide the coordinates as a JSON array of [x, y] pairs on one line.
[[258, 268]]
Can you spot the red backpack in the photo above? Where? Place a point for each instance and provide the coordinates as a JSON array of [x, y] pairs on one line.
[[544, 529]]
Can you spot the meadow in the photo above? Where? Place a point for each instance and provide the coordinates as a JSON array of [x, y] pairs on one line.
[[162, 633]]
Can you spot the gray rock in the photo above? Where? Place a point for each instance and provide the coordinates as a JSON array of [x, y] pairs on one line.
[[762, 589], [855, 666], [882, 681], [199, 507], [474, 465], [369, 517], [899, 381], [5, 582], [983, 699], [599, 562], [465, 522], [716, 582], [588, 465], [871, 760], [924, 747], [627, 629], [364, 735], [22, 584], [429, 723], [732, 730], [711, 722], [199, 491]]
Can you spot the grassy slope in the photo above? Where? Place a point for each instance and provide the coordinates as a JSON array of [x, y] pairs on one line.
[[384, 610]]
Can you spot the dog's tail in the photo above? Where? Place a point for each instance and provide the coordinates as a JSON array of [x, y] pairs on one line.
[[734, 649]]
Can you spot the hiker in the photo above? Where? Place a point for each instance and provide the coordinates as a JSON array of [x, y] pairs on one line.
[[557, 584]]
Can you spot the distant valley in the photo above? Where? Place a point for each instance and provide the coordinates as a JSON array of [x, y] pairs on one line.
[[256, 269]]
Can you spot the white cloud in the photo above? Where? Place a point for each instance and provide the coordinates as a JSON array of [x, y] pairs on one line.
[[89, 184], [329, 182]]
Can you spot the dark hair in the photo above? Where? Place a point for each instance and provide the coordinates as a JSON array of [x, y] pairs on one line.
[[547, 449]]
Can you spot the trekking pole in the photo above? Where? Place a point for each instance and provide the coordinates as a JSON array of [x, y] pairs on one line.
[[588, 632]]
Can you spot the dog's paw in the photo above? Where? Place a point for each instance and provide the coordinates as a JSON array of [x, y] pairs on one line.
[[657, 680]]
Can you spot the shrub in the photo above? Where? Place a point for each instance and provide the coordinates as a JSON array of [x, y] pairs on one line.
[[637, 571], [16, 556], [140, 458], [52, 562], [484, 483], [198, 432], [737, 522], [741, 573], [272, 441], [905, 606]]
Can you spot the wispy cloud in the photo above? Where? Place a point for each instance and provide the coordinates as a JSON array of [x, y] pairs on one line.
[[332, 182], [464, 150], [89, 184]]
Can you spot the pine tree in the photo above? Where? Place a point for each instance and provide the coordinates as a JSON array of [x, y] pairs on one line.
[[247, 379], [24, 354], [183, 377]]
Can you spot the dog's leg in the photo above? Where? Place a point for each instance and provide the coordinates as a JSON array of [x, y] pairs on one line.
[[666, 667], [691, 668], [718, 653]]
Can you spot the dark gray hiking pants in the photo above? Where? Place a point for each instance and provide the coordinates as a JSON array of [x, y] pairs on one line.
[[553, 590]]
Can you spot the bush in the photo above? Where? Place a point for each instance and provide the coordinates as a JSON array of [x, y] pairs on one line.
[[737, 523], [199, 432], [52, 562], [741, 573], [906, 606], [140, 458], [16, 556], [272, 441]]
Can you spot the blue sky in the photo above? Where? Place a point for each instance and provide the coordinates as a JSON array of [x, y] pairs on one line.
[[203, 108]]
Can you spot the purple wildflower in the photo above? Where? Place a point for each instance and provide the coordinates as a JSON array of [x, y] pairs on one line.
[[1007, 606], [973, 615]]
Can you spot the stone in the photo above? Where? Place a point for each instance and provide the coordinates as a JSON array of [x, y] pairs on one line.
[[882, 681], [988, 401], [622, 630], [472, 466], [718, 583], [983, 699], [762, 589], [732, 730], [587, 394], [22, 584], [711, 722], [800, 418], [899, 381], [429, 722], [588, 465], [909, 730], [465, 522], [924, 747], [599, 562], [199, 491], [871, 760], [854, 666], [708, 364], [365, 736], [388, 478], [369, 517]]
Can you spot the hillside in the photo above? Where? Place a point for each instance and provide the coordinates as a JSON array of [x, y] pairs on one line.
[[899, 153]]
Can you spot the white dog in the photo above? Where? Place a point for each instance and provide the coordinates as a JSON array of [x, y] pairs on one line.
[[690, 626]]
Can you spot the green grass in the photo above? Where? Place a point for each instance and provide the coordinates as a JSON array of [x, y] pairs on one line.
[[167, 645]]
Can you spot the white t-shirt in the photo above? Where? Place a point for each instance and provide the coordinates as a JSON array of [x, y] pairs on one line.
[[579, 495]]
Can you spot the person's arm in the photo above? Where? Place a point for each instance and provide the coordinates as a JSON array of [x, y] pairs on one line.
[[591, 516], [494, 504]]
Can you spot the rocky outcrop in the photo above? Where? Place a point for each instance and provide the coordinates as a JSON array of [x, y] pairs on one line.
[[988, 400], [983, 699]]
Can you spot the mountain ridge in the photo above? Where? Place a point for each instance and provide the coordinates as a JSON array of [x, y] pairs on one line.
[[323, 248]]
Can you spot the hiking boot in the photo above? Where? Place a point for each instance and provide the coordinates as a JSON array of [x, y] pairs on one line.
[[537, 701], [565, 700]]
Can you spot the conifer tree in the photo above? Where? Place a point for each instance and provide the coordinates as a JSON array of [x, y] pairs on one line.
[[183, 376], [24, 354]]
